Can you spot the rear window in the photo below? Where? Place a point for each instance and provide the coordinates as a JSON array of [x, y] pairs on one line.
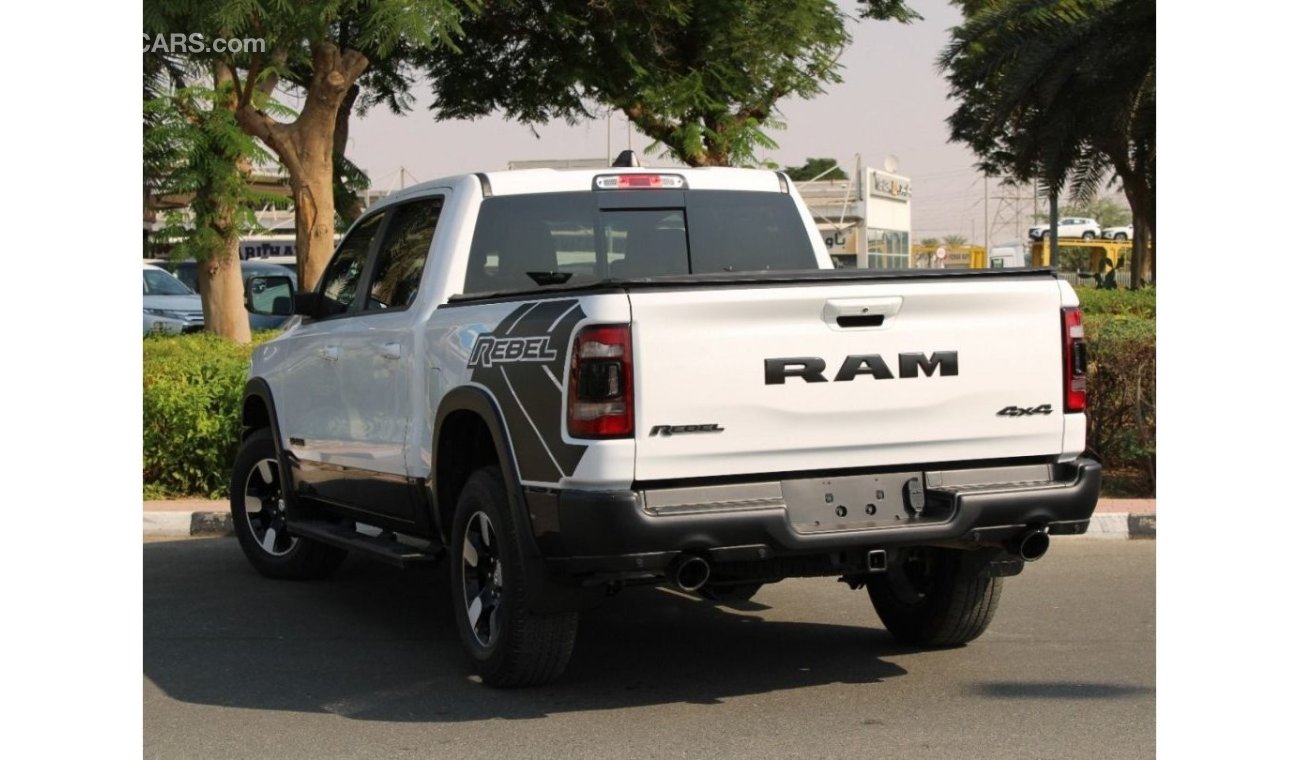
[[522, 241]]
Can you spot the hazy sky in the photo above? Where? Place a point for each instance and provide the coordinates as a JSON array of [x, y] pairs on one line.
[[893, 100]]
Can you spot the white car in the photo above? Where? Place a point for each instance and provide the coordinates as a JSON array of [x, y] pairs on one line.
[[170, 307], [1068, 227], [1118, 233], [569, 381]]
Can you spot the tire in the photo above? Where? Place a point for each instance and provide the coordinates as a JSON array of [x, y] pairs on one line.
[[507, 645], [257, 510], [1121, 236], [932, 598], [737, 592], [1089, 235]]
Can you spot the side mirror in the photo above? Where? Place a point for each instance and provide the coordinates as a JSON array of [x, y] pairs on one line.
[[307, 304], [269, 296]]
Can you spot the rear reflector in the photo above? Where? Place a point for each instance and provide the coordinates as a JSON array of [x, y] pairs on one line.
[[1075, 359], [600, 383], [640, 182]]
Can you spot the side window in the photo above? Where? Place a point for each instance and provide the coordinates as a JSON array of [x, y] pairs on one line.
[[402, 255], [339, 283], [542, 233]]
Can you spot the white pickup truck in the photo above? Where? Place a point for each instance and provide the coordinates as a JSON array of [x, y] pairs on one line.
[[572, 381]]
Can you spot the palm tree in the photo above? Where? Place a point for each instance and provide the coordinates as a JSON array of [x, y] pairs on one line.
[[1062, 91]]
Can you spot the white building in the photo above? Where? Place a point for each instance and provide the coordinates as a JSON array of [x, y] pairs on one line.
[[866, 220]]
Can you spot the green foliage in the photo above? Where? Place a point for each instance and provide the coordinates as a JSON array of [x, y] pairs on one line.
[[1122, 397], [1121, 329], [323, 48], [1099, 304], [199, 149], [376, 28], [888, 10], [1062, 91], [930, 242], [193, 387], [700, 77], [816, 169], [954, 241]]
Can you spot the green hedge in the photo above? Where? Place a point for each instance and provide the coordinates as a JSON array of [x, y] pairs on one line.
[[193, 385], [1121, 330], [1135, 303]]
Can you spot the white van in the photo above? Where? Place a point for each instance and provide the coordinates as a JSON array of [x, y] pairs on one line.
[[1006, 256]]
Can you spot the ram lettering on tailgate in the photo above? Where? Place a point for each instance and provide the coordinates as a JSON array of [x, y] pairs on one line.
[[812, 368]]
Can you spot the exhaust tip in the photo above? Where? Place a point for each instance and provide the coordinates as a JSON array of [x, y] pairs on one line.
[[1033, 545], [691, 573]]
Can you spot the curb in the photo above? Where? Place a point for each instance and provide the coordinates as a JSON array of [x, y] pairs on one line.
[[1120, 525], [202, 523], [180, 523]]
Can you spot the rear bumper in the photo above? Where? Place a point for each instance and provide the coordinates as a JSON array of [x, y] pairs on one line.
[[582, 533]]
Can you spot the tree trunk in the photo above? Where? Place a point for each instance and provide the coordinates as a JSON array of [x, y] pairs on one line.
[[1140, 191], [1141, 203], [221, 285], [306, 148], [313, 201]]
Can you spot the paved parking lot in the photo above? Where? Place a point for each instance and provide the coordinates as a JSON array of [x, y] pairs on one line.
[[368, 665]]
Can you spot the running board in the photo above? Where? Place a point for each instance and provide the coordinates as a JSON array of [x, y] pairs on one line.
[[384, 547]]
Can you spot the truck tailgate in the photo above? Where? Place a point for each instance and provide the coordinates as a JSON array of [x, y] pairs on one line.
[[916, 371]]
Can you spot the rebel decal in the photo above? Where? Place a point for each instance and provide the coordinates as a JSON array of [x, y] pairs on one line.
[[669, 430], [489, 350], [523, 362]]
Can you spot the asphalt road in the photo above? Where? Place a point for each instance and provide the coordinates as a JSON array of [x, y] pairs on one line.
[[368, 665]]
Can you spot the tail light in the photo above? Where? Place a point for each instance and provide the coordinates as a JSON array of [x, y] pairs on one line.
[[1075, 358], [600, 383]]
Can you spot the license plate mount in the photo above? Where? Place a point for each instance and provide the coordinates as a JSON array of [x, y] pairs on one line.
[[856, 502]]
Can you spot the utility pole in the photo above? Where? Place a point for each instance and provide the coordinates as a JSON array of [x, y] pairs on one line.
[[986, 214]]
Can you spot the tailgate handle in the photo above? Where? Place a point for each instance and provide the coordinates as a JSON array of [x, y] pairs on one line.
[[861, 320], [851, 313]]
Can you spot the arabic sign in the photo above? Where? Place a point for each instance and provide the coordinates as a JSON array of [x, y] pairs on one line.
[[843, 240], [890, 186]]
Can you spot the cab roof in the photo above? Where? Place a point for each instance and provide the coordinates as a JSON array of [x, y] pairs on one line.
[[523, 181]]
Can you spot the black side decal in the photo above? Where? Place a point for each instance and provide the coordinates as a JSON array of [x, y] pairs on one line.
[[523, 361]]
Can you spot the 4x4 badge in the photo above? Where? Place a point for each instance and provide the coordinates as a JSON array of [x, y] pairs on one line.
[[1020, 411]]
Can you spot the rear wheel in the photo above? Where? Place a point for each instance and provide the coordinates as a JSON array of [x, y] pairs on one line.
[[1089, 235], [507, 644], [257, 507], [931, 597], [1121, 236]]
